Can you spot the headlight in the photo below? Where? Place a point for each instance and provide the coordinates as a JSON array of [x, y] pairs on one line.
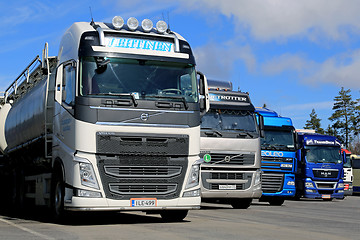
[[291, 183], [193, 179], [309, 185], [257, 177], [87, 175], [340, 185]]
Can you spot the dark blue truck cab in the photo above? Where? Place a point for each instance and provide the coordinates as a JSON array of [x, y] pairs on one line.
[[320, 167]]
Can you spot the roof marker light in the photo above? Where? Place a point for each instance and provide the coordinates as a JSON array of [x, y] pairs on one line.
[[132, 23], [161, 26], [118, 22], [147, 25]]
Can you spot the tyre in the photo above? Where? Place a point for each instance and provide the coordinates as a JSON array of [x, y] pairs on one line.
[[57, 197], [241, 203], [276, 202], [173, 215]]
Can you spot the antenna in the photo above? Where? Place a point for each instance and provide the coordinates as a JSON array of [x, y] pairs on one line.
[[92, 19], [168, 19]]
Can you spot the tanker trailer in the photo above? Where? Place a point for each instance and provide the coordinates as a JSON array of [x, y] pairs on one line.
[[112, 123]]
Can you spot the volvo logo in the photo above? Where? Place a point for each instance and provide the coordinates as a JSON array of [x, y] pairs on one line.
[[272, 154], [144, 116], [227, 159]]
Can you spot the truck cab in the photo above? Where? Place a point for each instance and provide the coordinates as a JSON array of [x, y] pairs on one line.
[[230, 147], [278, 148], [320, 167], [348, 173]]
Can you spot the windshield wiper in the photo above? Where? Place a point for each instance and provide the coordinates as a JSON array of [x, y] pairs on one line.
[[173, 97], [133, 98], [213, 132]]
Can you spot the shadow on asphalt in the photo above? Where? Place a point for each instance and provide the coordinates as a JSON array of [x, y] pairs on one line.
[[84, 218]]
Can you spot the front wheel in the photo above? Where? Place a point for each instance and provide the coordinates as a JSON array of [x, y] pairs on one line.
[[242, 203], [173, 215], [57, 197], [276, 202]]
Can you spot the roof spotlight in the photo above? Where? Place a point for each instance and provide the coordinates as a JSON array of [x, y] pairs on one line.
[[132, 23], [147, 25], [118, 22], [161, 26]]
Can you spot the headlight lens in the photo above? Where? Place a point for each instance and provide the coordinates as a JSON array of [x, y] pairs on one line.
[[87, 175], [194, 176], [309, 185], [291, 183], [257, 177], [340, 185]]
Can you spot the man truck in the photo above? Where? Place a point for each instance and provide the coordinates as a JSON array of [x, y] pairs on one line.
[[111, 123], [230, 146], [278, 163], [320, 167]]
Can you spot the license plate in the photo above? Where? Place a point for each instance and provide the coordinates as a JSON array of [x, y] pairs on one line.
[[227, 187], [326, 196], [143, 202]]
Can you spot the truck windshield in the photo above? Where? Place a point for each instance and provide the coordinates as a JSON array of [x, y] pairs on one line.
[[144, 79], [278, 140], [228, 120], [323, 154]]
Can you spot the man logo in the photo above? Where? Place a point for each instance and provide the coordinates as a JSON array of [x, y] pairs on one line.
[[144, 116]]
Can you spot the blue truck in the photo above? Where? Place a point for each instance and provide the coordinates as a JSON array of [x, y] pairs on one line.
[[278, 163], [320, 167]]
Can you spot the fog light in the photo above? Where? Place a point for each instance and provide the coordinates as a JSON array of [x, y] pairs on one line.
[[147, 25], [161, 26], [193, 193], [118, 22], [87, 193], [132, 23], [310, 191]]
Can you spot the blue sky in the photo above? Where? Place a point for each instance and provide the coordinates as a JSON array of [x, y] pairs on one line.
[[291, 55]]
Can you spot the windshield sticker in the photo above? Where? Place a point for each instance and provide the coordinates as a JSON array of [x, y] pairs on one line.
[[131, 43], [322, 142]]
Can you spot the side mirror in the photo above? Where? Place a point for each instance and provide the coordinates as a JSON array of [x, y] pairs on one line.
[[204, 94], [261, 125], [296, 140], [344, 157]]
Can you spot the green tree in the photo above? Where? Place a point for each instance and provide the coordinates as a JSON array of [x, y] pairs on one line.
[[314, 123], [344, 110]]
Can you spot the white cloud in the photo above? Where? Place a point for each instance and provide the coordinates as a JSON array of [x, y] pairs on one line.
[[217, 61], [286, 62], [283, 19], [342, 70]]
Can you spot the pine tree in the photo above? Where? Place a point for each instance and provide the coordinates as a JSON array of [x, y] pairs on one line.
[[314, 123], [344, 108]]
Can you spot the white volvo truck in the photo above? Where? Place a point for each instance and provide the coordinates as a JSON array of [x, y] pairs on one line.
[[112, 123], [230, 146]]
